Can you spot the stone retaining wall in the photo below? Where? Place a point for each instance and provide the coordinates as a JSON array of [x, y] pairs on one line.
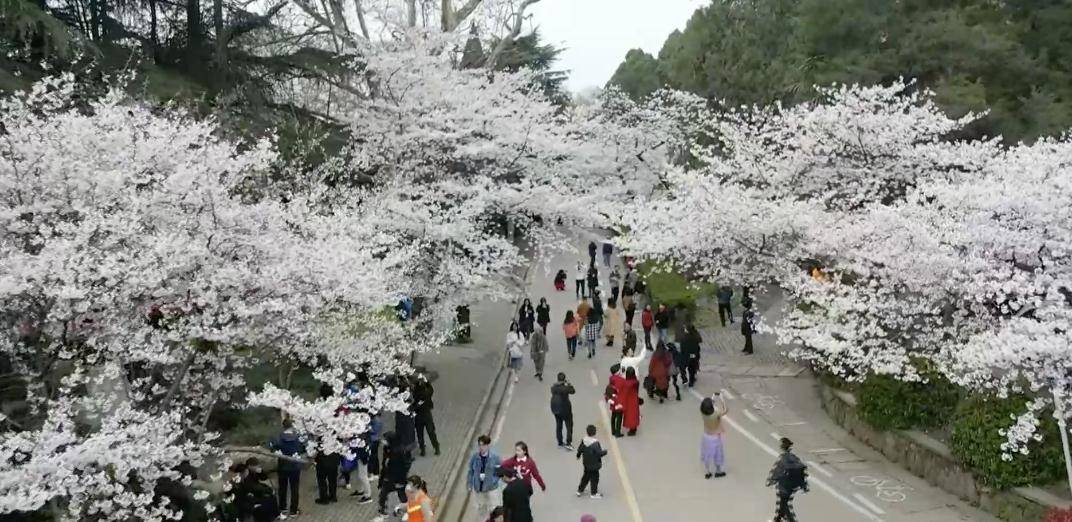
[[931, 460]]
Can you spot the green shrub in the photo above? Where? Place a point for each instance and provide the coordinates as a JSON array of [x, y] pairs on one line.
[[976, 442], [673, 289], [888, 403]]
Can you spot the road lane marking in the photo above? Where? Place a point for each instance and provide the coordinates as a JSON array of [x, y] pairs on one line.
[[750, 416], [828, 450], [616, 452], [815, 480], [595, 379], [815, 465], [863, 500], [505, 408], [727, 394], [774, 435], [792, 424]]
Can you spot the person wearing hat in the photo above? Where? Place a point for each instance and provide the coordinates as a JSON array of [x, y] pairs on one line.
[[515, 496]]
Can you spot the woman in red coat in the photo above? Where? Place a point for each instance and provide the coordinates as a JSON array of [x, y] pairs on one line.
[[659, 371], [629, 395]]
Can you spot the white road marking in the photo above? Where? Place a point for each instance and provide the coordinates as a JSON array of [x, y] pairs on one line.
[[627, 486], [776, 436], [863, 500], [818, 482], [793, 424], [726, 393], [595, 380], [505, 408], [828, 450], [750, 416], [820, 469]]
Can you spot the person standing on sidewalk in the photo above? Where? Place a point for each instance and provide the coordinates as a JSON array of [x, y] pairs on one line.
[[613, 322], [288, 444], [538, 350], [562, 409], [396, 464], [363, 490], [690, 348], [592, 253], [608, 250], [662, 323], [712, 451], [422, 409], [515, 496], [482, 480], [724, 295], [788, 476], [748, 327], [543, 314], [514, 351], [524, 467], [327, 476], [375, 434], [570, 328], [579, 277], [592, 454], [647, 321]]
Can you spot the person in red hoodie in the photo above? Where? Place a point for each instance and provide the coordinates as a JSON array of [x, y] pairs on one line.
[[647, 320], [524, 466], [610, 394]]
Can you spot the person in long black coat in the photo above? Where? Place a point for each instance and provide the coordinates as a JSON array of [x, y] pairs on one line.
[[515, 497], [543, 314], [526, 318], [748, 327], [396, 465]]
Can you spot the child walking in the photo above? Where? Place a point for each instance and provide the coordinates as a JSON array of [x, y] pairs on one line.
[[591, 453]]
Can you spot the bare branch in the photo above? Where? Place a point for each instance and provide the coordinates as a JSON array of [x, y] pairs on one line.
[[361, 18], [452, 19], [515, 31]]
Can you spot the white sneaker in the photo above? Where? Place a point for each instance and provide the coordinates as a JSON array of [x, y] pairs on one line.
[[597, 496], [579, 494]]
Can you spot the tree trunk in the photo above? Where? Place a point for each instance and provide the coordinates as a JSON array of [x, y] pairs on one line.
[[411, 13], [94, 20], [154, 37], [221, 43], [193, 34]]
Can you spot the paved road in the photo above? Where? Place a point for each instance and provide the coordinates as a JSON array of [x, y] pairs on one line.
[[657, 476]]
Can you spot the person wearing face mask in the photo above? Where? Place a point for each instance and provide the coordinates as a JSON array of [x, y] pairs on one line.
[[482, 480], [418, 504], [523, 466]]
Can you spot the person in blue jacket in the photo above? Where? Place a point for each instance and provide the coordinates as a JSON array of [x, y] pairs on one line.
[[482, 480], [288, 443]]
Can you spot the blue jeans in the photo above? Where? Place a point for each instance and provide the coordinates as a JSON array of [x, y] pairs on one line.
[[571, 346], [663, 336]]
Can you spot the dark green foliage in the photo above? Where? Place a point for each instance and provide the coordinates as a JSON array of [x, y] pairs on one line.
[[673, 289], [530, 52], [638, 76], [977, 437], [888, 403], [1012, 58]]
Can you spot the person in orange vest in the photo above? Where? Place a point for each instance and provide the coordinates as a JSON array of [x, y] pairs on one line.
[[418, 503]]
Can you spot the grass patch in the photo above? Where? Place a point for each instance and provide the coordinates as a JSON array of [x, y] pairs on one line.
[[673, 289], [256, 426]]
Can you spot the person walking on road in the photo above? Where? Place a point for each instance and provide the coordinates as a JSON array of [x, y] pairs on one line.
[[614, 405], [788, 476], [418, 504], [597, 308], [562, 409], [515, 496], [629, 343], [591, 453], [631, 360], [712, 451], [570, 328], [690, 349], [613, 321], [538, 348], [659, 371], [583, 309], [662, 323], [543, 314], [647, 321], [591, 334], [748, 327], [608, 250], [615, 283], [515, 350], [288, 444], [526, 318], [579, 276], [592, 279], [679, 369], [396, 464], [724, 297], [592, 253], [630, 309], [630, 395], [523, 465], [482, 480], [422, 409]]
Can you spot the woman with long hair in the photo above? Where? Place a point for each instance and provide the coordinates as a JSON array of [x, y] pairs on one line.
[[543, 314], [418, 503], [712, 452], [524, 466], [515, 350], [570, 329], [659, 371], [526, 318], [630, 397]]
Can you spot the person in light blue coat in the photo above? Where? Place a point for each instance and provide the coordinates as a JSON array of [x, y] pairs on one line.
[[482, 480]]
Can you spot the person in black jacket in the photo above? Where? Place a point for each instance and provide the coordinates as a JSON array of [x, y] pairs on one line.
[[592, 454], [562, 409], [515, 497], [422, 411], [748, 327], [396, 464], [788, 476], [680, 369], [543, 314], [592, 252], [690, 349], [405, 425], [593, 279]]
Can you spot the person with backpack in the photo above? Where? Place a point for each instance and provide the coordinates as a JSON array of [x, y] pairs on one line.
[[788, 476], [570, 329], [647, 321], [592, 454], [482, 480], [712, 451], [396, 465], [288, 444], [562, 409], [543, 314], [538, 349]]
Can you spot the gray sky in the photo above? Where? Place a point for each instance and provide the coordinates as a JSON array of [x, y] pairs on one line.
[[597, 33]]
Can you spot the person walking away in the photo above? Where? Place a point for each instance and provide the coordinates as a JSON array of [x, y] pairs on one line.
[[288, 444], [583, 309], [724, 296], [515, 496], [562, 409], [482, 480], [538, 348], [597, 308], [608, 250], [712, 450], [615, 406], [591, 453], [526, 318], [396, 464], [591, 334], [647, 321], [591, 252], [515, 351], [422, 408], [629, 343], [748, 327], [543, 314], [788, 476], [678, 371], [570, 329], [630, 395], [592, 279], [524, 466], [418, 504], [659, 371], [579, 275], [327, 476], [662, 323], [630, 309], [615, 283], [690, 348], [613, 321]]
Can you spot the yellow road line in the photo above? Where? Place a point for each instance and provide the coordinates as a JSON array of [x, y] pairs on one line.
[[616, 452]]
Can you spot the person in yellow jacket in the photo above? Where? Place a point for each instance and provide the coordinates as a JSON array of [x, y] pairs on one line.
[[418, 503]]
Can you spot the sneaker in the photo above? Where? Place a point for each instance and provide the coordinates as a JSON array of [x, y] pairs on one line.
[[365, 499], [283, 515], [295, 513], [720, 474], [597, 496], [707, 475], [568, 447], [347, 485], [579, 494], [437, 452]]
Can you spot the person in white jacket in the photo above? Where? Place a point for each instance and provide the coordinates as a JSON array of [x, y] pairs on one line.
[[515, 349], [579, 275], [633, 361]]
